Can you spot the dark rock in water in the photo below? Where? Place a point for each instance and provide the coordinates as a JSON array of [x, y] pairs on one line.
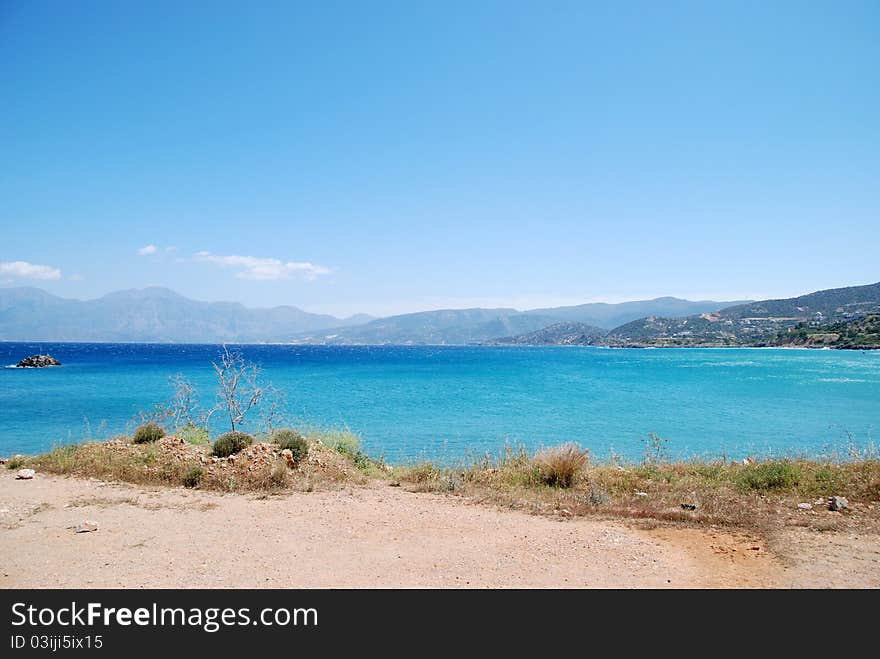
[[38, 361]]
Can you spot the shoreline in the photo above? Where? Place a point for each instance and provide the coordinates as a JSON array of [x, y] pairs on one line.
[[442, 345]]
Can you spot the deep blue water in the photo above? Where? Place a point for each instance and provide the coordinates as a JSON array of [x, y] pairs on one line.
[[446, 402]]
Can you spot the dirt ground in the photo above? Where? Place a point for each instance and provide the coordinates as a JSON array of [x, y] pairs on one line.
[[381, 536]]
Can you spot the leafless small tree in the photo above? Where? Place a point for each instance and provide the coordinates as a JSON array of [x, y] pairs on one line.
[[239, 390], [273, 409], [184, 405]]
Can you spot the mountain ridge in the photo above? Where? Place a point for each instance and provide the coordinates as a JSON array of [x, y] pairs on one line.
[[151, 314], [158, 314], [754, 323]]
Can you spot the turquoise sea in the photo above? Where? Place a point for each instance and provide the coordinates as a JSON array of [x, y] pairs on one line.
[[444, 403]]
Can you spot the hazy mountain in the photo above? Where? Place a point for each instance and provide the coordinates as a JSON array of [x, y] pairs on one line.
[[609, 316], [149, 314], [565, 333], [448, 326], [754, 323], [459, 326]]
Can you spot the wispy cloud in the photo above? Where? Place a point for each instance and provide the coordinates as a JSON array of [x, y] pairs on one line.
[[264, 269], [147, 250], [25, 270]]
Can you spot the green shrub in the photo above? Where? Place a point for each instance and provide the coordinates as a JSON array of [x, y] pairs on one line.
[[348, 444], [193, 477], [292, 440], [231, 443], [560, 465], [149, 432], [15, 462], [767, 476]]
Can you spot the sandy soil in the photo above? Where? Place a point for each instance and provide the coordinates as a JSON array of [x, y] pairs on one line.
[[376, 536]]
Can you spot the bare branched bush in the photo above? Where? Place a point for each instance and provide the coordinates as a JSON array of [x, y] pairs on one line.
[[239, 390], [273, 407], [183, 409]]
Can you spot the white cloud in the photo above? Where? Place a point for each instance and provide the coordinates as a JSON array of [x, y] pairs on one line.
[[170, 249], [25, 270], [147, 249], [264, 269]]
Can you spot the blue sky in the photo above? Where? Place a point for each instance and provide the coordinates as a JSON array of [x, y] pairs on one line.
[[397, 156]]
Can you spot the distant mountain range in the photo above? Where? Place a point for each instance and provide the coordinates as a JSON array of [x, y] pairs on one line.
[[609, 316], [150, 315], [462, 326], [161, 315], [840, 317]]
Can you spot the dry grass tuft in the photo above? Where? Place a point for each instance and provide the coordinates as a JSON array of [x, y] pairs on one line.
[[559, 466]]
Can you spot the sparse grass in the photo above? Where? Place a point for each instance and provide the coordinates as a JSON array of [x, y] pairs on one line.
[[172, 463], [278, 475], [140, 464], [194, 435], [16, 462], [724, 493], [769, 476], [559, 480], [348, 444]]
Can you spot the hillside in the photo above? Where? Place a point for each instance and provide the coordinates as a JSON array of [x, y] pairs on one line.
[[446, 327], [754, 323], [560, 334], [149, 315], [857, 334], [609, 316], [462, 326]]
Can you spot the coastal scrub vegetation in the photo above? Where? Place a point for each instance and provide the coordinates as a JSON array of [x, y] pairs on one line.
[[231, 443], [560, 465], [193, 476], [559, 481], [290, 440], [241, 395], [746, 493], [171, 461], [148, 432]]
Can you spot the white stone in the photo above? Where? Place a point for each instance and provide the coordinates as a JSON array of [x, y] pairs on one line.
[[25, 474], [86, 526]]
